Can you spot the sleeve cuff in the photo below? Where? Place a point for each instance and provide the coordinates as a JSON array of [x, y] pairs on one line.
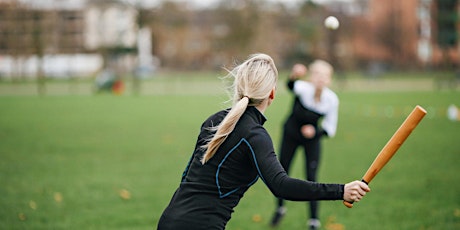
[[290, 84]]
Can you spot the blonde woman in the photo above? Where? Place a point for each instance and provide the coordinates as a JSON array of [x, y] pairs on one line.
[[314, 115], [233, 151]]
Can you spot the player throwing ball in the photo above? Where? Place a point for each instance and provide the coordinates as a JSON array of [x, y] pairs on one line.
[[233, 150], [314, 115]]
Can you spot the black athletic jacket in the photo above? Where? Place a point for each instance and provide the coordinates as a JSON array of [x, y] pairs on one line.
[[208, 193]]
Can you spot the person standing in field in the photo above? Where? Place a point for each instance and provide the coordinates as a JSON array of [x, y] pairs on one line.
[[233, 150], [313, 102]]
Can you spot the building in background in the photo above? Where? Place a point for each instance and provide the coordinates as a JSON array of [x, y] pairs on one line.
[[400, 34], [63, 43]]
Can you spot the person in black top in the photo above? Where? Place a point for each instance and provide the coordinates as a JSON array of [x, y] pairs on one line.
[[233, 150], [314, 115]]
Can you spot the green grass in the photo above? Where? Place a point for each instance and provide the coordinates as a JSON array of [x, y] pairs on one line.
[[85, 149]]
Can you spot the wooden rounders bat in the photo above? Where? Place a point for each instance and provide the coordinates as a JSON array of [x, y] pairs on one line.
[[392, 146]]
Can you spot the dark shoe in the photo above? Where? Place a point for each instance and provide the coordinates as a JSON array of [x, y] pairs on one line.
[[278, 216]]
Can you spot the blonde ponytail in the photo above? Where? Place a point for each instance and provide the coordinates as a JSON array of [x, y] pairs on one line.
[[254, 80], [225, 128]]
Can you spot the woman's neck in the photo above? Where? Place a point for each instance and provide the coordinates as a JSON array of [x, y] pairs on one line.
[[263, 106], [318, 92]]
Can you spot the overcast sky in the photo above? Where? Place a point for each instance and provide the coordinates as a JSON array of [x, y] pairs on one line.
[[211, 2], [205, 3], [147, 3]]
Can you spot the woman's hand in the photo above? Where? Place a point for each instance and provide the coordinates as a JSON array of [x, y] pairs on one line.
[[355, 190], [298, 71], [308, 131]]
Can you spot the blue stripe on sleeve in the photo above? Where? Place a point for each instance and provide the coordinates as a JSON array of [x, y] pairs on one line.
[[222, 195]]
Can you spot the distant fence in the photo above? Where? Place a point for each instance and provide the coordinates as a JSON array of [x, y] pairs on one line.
[[55, 66], [208, 84]]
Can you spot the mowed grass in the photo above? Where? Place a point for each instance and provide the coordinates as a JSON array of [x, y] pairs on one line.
[[113, 162]]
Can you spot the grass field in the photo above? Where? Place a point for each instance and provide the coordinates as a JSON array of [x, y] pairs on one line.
[[82, 161]]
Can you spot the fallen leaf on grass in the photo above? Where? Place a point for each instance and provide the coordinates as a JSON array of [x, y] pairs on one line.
[[124, 194], [256, 218], [457, 212], [58, 197], [32, 205], [332, 225], [22, 216], [335, 226]]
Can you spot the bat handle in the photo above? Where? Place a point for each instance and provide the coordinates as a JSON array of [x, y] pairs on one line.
[[349, 204]]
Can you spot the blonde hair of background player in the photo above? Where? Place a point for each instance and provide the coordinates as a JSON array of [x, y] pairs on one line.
[[254, 85]]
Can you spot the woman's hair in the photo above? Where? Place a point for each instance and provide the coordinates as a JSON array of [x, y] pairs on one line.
[[318, 63], [253, 81]]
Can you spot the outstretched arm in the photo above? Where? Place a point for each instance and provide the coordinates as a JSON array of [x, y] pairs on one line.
[[280, 183]]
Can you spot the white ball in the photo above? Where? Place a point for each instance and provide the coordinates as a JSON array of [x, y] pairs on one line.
[[331, 22]]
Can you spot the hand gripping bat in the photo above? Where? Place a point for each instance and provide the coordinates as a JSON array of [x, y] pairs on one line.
[[392, 146]]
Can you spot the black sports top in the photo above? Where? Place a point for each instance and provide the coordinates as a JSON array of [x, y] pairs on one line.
[[307, 110], [208, 193]]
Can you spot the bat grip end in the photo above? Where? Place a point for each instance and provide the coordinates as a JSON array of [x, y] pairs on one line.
[[348, 204]]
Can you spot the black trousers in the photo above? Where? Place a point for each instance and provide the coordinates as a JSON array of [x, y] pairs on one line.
[[291, 140]]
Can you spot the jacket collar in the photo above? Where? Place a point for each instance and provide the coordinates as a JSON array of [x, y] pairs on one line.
[[256, 114]]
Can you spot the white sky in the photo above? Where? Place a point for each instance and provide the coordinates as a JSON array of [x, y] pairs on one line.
[[148, 3], [204, 3]]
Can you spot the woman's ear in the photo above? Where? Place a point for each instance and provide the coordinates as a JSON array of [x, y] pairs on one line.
[[272, 93], [271, 97]]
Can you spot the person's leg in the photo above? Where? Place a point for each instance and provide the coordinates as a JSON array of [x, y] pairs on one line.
[[312, 156], [288, 148]]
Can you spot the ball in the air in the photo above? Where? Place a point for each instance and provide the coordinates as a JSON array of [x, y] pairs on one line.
[[331, 22]]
